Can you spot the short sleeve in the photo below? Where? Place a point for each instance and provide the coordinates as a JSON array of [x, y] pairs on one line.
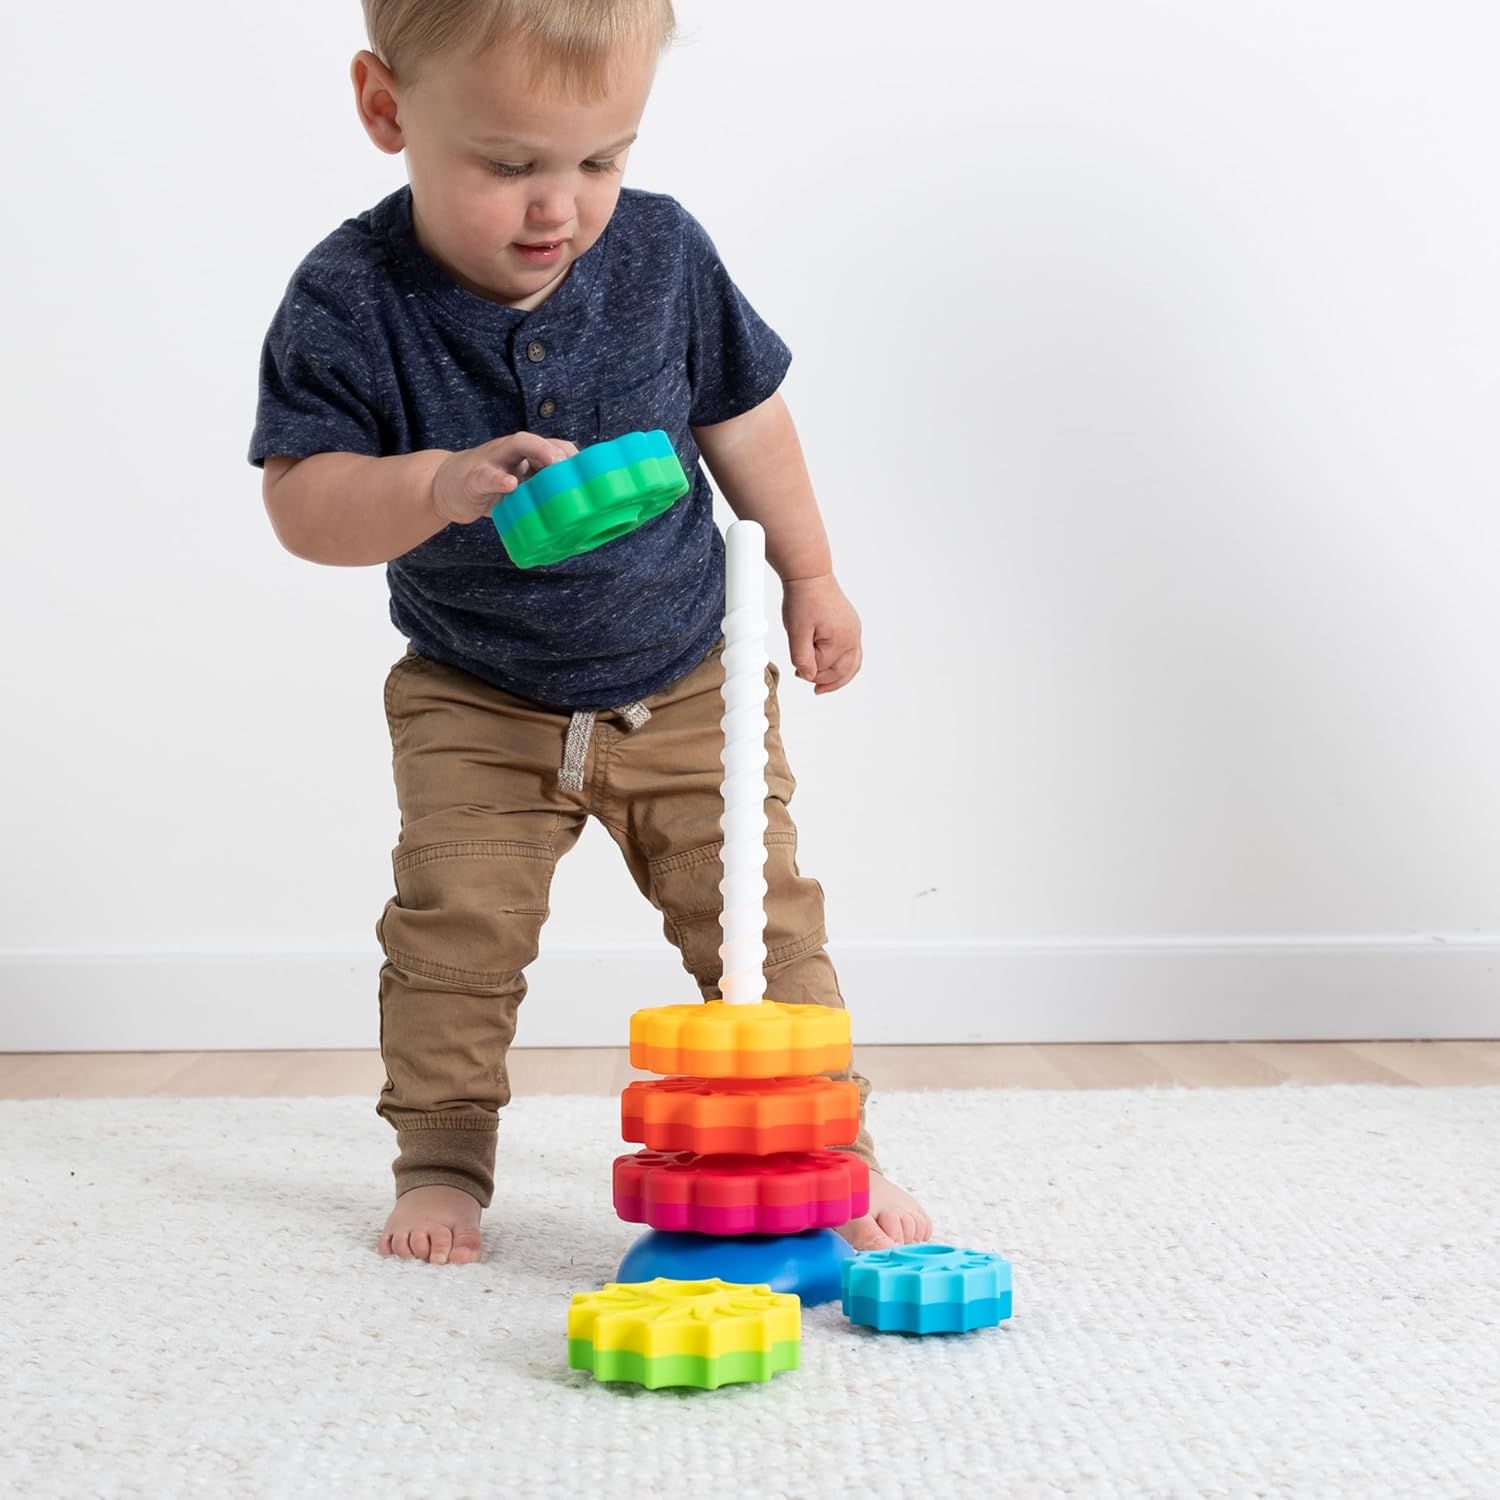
[[317, 389], [735, 361]]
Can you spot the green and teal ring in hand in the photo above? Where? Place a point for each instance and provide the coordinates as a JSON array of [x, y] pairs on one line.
[[580, 503]]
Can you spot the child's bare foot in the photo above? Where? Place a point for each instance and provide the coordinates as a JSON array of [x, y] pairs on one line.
[[433, 1223], [895, 1218]]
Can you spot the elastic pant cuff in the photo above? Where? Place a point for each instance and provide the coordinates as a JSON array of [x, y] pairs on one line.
[[436, 1156]]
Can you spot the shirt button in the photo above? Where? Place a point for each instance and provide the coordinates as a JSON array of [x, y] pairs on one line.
[[548, 408], [536, 352]]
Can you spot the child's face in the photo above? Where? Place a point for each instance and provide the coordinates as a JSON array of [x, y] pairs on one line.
[[500, 166]]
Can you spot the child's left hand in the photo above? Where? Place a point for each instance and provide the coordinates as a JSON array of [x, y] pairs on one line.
[[822, 631]]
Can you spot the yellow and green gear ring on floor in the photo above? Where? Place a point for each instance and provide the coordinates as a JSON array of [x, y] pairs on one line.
[[698, 1333]]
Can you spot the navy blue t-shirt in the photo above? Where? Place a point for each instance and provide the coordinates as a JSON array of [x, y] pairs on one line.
[[376, 350]]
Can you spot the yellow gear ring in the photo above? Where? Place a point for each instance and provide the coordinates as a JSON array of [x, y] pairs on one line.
[[700, 1333], [719, 1040]]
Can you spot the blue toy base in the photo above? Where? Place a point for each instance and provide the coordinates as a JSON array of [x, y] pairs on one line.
[[809, 1264]]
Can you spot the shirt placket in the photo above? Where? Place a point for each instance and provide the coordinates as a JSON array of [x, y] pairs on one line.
[[541, 371]]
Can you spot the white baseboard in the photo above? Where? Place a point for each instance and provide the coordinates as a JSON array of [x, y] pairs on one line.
[[1074, 990]]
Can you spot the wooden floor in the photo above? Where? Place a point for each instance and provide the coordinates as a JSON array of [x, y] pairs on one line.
[[605, 1070]]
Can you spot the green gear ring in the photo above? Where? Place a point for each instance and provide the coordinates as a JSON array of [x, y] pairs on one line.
[[582, 502]]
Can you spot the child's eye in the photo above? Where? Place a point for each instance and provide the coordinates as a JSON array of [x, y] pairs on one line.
[[521, 168]]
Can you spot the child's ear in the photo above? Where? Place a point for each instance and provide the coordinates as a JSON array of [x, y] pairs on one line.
[[375, 99]]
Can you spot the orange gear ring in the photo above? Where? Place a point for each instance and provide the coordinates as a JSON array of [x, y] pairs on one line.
[[719, 1040], [751, 1116]]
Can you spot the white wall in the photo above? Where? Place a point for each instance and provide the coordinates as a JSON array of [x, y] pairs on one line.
[[1174, 323]]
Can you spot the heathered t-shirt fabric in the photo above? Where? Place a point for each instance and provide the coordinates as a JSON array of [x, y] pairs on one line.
[[376, 350]]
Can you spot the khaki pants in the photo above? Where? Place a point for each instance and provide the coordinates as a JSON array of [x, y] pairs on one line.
[[483, 824]]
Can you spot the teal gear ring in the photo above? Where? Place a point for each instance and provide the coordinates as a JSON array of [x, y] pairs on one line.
[[927, 1288], [580, 503]]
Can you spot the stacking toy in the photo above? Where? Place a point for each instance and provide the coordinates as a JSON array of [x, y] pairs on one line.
[[736, 1179], [580, 503], [737, 1138], [927, 1289], [704, 1333]]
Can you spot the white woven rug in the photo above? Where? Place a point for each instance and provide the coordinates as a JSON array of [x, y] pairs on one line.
[[1279, 1292]]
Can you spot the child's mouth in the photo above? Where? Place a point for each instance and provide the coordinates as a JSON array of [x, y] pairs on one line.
[[541, 255]]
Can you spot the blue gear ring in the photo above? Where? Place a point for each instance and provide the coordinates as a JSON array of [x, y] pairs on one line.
[[927, 1289]]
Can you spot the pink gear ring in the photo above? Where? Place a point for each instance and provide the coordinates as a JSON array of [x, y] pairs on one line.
[[784, 1193]]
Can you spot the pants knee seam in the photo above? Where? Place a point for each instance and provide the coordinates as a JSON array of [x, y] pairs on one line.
[[798, 948], [472, 849], [686, 858], [450, 973]]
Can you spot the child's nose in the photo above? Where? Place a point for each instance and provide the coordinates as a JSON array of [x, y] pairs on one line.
[[551, 209]]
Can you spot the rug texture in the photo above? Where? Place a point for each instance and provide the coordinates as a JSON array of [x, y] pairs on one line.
[[1288, 1292]]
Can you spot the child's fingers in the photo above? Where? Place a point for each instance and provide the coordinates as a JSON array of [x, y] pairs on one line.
[[804, 653], [489, 482], [509, 461], [837, 673], [537, 451], [831, 651]]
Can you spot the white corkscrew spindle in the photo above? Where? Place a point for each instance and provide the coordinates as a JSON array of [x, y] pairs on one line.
[[742, 954]]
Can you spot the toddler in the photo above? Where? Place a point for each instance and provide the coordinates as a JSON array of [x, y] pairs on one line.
[[509, 306]]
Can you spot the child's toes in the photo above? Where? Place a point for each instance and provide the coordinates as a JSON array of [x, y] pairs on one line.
[[866, 1234], [465, 1247], [421, 1244], [442, 1243]]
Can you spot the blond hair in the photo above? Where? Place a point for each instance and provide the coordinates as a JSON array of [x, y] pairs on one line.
[[573, 41]]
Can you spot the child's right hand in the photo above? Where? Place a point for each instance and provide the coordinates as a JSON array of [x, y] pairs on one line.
[[470, 484]]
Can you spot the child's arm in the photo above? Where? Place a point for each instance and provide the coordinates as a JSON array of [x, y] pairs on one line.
[[757, 462], [347, 509], [351, 510]]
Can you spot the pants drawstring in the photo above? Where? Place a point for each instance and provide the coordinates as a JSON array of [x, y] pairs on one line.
[[581, 731]]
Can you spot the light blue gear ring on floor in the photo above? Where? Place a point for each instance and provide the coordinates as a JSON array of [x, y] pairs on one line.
[[807, 1263], [580, 503], [927, 1289]]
